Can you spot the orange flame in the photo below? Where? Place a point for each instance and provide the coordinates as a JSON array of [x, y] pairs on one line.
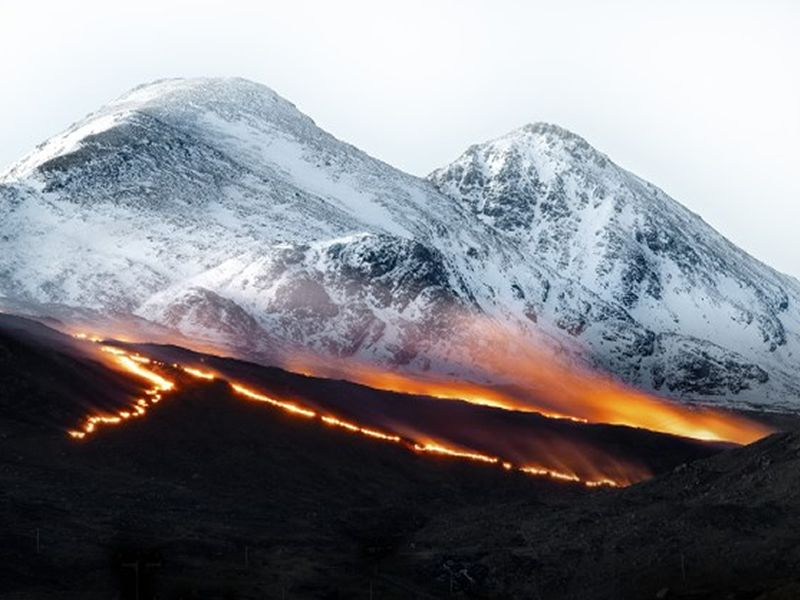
[[199, 374], [592, 399], [352, 427], [133, 363], [437, 448], [286, 406], [537, 380]]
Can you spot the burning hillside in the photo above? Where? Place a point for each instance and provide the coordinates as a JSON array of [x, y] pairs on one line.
[[310, 462], [481, 425], [511, 370], [580, 465]]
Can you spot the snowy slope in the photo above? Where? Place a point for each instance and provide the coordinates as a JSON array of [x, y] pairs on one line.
[[216, 208], [718, 315]]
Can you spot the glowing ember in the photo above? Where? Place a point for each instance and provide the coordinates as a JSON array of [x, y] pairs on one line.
[[133, 364], [139, 359], [198, 373], [334, 422], [561, 476], [158, 381], [113, 350], [287, 406], [86, 336], [439, 449]]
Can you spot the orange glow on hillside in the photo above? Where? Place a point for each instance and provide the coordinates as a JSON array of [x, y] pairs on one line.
[[352, 427], [198, 373], [133, 364], [437, 448], [289, 407], [592, 398], [538, 380]]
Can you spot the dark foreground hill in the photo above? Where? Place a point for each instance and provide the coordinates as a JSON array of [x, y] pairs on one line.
[[727, 528], [215, 497]]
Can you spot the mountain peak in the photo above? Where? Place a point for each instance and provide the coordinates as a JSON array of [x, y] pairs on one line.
[[184, 104], [200, 91], [532, 155], [166, 188], [545, 128], [540, 150], [544, 139]]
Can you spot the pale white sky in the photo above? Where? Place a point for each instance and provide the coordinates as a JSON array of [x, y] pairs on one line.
[[701, 98]]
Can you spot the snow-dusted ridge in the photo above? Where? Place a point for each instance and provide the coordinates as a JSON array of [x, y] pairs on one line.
[[214, 207]]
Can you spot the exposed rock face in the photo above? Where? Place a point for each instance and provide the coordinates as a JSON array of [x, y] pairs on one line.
[[709, 318], [373, 295], [216, 208]]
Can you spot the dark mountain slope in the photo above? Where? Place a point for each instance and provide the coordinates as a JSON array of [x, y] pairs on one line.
[[727, 527], [237, 500]]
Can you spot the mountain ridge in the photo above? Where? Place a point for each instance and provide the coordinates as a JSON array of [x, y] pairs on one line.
[[214, 206]]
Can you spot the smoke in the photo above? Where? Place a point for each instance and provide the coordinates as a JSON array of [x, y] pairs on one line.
[[548, 400], [496, 365]]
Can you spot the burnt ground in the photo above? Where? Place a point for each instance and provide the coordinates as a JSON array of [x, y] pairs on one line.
[[214, 497]]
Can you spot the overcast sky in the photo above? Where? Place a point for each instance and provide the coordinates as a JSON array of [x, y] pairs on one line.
[[701, 98]]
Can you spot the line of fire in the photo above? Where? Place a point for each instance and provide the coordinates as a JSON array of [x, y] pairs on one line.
[[160, 385]]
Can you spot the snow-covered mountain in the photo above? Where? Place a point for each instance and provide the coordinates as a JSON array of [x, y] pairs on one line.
[[718, 320], [214, 207]]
